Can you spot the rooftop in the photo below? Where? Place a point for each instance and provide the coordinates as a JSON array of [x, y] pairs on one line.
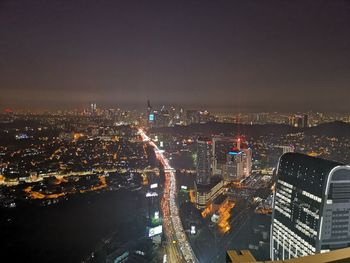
[[336, 256]]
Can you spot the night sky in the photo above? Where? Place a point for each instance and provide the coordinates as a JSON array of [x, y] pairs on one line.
[[223, 55]]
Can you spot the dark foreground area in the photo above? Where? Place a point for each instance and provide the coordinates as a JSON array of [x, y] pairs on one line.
[[69, 231]]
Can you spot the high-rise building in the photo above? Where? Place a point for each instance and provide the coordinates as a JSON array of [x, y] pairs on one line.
[[223, 145], [192, 117], [163, 118], [206, 194], [207, 187], [204, 159], [305, 121], [299, 121], [311, 207], [150, 115], [93, 108], [234, 168], [247, 160], [157, 118]]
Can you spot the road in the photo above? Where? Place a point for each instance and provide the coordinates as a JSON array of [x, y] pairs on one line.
[[178, 248]]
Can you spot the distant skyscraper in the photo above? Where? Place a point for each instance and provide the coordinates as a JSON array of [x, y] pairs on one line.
[[204, 159], [93, 108], [192, 117], [150, 115], [299, 121], [163, 118], [305, 121], [311, 209]]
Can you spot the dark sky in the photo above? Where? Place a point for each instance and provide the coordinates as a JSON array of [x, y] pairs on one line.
[[246, 55]]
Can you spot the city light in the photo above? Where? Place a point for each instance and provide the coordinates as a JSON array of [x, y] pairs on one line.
[[155, 231], [151, 194], [152, 186]]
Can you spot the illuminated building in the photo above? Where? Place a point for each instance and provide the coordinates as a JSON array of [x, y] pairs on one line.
[[93, 108], [192, 117], [233, 170], [207, 188], [299, 121], [222, 146], [204, 159], [156, 118], [287, 149], [247, 160], [163, 118], [150, 115], [182, 117], [305, 121], [311, 208], [205, 194], [204, 117]]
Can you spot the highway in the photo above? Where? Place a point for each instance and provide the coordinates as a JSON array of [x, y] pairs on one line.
[[178, 248]]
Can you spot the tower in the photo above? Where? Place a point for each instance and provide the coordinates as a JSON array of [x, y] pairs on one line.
[[203, 161], [222, 145], [305, 121], [150, 115], [234, 167]]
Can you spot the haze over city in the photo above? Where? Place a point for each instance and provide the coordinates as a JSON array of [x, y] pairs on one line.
[[223, 55]]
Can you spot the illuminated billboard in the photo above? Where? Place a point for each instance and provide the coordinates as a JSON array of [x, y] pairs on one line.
[[153, 186], [151, 117], [151, 194], [155, 231]]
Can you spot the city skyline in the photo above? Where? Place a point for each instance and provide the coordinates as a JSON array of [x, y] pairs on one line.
[[110, 165], [245, 56], [186, 131]]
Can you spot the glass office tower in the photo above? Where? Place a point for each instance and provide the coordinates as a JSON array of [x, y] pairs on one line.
[[311, 207]]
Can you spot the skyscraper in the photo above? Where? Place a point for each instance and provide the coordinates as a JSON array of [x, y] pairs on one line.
[[192, 117], [234, 168], [247, 159], [223, 145], [93, 108], [311, 208], [204, 159], [150, 114], [163, 118], [305, 121]]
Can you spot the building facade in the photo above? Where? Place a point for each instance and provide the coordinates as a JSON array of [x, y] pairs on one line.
[[206, 194], [222, 146], [204, 159], [311, 207], [234, 167]]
